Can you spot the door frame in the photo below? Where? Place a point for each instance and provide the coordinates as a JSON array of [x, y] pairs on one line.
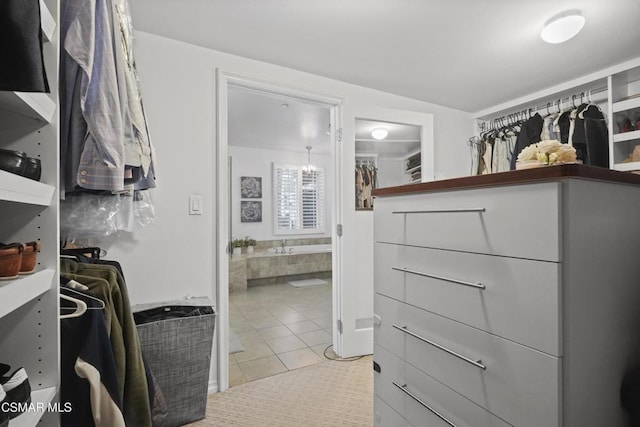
[[357, 336], [224, 79]]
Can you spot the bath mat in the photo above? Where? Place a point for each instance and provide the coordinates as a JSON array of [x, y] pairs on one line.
[[307, 282], [235, 346]]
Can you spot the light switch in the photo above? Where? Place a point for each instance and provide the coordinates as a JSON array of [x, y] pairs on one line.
[[195, 204]]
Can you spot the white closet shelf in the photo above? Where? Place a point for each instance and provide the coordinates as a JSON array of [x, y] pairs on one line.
[[15, 188], [47, 23], [15, 293], [626, 136], [42, 398], [35, 105], [627, 167], [625, 105]]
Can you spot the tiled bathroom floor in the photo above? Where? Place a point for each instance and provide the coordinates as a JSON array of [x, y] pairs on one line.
[[281, 327]]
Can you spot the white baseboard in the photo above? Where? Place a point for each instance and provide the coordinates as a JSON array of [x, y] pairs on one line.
[[213, 387]]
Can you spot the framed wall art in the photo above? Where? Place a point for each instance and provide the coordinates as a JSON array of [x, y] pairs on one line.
[[250, 211], [250, 187]]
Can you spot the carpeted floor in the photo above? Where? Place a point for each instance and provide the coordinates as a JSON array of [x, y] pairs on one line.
[[331, 393]]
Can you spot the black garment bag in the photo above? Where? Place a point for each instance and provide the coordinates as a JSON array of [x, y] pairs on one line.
[[22, 67]]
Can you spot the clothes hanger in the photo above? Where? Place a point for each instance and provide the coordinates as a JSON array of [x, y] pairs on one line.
[[91, 297], [92, 252], [589, 104], [80, 308]]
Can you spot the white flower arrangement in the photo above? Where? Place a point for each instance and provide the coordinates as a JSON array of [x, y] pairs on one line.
[[546, 153]]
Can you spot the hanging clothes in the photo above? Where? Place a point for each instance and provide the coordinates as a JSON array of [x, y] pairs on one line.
[[105, 280], [21, 49], [366, 178], [562, 126], [530, 133], [584, 127], [591, 136], [104, 132], [489, 140], [491, 151], [88, 371], [94, 130]]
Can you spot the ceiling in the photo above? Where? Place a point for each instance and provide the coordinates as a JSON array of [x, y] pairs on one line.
[[266, 120], [271, 121], [466, 54]]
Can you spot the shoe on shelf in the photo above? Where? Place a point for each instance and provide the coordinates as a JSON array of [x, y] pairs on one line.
[[636, 121], [4, 416], [10, 260], [33, 169], [29, 257], [624, 124], [17, 389], [12, 161], [17, 162]]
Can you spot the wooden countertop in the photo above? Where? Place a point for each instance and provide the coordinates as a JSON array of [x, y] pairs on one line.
[[526, 176]]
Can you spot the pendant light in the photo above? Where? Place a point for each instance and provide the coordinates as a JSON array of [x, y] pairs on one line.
[[309, 168], [562, 27]]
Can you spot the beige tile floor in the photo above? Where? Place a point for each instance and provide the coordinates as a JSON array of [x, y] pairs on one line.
[[281, 327]]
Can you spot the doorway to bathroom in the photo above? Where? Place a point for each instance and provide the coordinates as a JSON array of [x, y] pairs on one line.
[[277, 311], [281, 222]]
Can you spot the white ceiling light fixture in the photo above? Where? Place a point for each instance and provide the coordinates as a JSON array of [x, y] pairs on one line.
[[379, 133], [562, 27]]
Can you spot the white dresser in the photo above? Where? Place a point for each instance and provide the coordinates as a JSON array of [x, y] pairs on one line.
[[507, 299]]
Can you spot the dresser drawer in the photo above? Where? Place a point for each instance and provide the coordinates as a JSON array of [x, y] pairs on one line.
[[385, 416], [514, 298], [518, 384], [520, 221], [422, 400]]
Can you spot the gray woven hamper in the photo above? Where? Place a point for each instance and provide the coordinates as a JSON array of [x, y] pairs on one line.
[[178, 352]]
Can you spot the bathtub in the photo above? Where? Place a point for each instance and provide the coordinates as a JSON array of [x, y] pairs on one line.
[[302, 249], [298, 262]]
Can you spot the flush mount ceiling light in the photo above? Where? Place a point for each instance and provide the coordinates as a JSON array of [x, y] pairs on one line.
[[562, 27], [379, 133]]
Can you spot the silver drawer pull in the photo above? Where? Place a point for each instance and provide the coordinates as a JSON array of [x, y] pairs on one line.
[[477, 363], [417, 399], [441, 211], [446, 279]]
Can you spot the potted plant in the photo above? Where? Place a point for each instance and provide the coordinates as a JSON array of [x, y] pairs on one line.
[[249, 243], [237, 244]]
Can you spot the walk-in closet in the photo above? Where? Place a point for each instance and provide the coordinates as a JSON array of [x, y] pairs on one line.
[[446, 233]]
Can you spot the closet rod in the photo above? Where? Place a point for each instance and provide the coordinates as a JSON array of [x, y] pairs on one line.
[[528, 112]]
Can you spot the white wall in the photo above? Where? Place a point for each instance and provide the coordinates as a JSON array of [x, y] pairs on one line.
[[258, 162], [391, 172]]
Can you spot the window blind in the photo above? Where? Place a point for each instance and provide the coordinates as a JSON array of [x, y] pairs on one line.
[[299, 200]]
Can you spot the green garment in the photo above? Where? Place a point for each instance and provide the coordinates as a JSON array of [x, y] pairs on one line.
[[134, 388], [101, 289]]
